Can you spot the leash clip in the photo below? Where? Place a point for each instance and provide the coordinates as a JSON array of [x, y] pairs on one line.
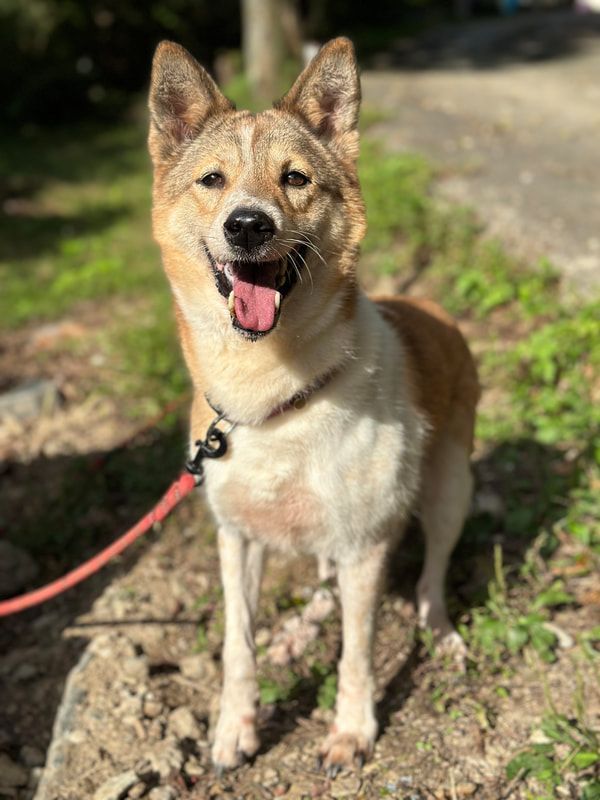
[[214, 445]]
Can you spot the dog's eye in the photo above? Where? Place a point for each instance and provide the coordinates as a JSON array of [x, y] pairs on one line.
[[295, 179], [213, 179]]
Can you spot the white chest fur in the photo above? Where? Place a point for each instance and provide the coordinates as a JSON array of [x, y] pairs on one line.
[[339, 472]]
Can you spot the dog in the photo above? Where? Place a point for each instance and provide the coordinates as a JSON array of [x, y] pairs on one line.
[[351, 413]]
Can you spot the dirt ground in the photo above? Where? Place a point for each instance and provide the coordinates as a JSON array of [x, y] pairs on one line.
[[509, 110], [120, 678]]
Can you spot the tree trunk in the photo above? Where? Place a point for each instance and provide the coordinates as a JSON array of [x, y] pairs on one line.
[[263, 46]]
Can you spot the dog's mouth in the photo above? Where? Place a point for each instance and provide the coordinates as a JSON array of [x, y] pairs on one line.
[[255, 290]]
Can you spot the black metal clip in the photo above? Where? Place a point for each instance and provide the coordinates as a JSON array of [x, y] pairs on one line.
[[214, 445]]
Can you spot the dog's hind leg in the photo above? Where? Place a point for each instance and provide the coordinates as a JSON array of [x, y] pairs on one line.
[[353, 733], [445, 498], [241, 570]]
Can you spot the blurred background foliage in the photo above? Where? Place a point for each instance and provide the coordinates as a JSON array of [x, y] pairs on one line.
[[66, 58]]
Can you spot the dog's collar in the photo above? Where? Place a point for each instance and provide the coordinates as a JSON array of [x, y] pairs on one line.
[[296, 402]]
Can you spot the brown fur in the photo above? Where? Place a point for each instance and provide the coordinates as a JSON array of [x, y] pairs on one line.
[[444, 377]]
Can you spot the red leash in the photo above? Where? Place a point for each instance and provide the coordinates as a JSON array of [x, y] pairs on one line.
[[175, 494]]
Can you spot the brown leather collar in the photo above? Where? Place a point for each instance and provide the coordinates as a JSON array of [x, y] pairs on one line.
[[298, 401]]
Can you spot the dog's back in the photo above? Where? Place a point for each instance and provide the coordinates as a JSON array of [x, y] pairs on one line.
[[444, 378]]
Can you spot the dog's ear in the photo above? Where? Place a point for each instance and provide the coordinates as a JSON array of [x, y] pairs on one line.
[[327, 96], [182, 97]]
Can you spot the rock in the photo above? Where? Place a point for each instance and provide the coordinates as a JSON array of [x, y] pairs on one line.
[[29, 400], [194, 768], [166, 758], [163, 793], [151, 706], [182, 724], [137, 791], [144, 770], [117, 787], [565, 640], [135, 668], [270, 777], [320, 606], [263, 637], [32, 756], [281, 789], [345, 786], [198, 665], [466, 789], [17, 569], [11, 773]]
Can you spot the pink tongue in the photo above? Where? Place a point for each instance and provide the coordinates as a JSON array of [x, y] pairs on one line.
[[254, 295]]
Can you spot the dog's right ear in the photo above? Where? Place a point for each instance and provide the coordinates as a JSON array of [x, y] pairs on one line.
[[182, 97]]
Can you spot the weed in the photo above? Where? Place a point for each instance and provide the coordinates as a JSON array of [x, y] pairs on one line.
[[280, 691], [499, 630], [327, 683], [569, 757]]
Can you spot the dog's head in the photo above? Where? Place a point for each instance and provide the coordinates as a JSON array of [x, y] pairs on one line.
[[259, 217]]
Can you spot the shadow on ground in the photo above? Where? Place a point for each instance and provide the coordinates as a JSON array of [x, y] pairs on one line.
[[494, 43], [63, 510]]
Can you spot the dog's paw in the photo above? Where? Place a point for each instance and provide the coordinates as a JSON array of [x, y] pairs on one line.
[[236, 740], [343, 751], [451, 645]]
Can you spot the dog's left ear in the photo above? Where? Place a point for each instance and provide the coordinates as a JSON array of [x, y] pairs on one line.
[[327, 96]]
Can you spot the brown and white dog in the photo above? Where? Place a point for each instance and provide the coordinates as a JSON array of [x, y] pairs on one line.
[[259, 219]]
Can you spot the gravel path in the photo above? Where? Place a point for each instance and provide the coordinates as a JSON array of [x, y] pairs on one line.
[[510, 111]]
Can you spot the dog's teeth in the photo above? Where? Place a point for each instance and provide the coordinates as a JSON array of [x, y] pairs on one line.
[[230, 303], [277, 300], [228, 272]]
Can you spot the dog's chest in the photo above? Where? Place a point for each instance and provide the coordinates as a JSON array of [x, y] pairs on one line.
[[322, 483]]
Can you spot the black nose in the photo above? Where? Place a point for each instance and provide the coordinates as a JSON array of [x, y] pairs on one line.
[[248, 228]]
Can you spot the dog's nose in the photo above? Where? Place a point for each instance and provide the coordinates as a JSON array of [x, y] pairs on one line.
[[248, 228]]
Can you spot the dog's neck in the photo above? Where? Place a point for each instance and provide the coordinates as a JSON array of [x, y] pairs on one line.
[[249, 380]]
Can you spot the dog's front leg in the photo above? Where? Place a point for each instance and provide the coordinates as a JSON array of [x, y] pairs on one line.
[[241, 568], [353, 733]]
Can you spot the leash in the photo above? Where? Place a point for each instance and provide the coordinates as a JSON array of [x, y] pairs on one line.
[[214, 445]]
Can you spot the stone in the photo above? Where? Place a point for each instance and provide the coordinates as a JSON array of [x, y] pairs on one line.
[[166, 758], [135, 668], [17, 569], [194, 768], [345, 786], [270, 777], [144, 770], [466, 789], [198, 666], [263, 637], [163, 793], [116, 788], [182, 724], [151, 706], [11, 773], [29, 400], [137, 791]]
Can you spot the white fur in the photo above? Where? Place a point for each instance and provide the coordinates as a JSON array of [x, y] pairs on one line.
[[353, 451]]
